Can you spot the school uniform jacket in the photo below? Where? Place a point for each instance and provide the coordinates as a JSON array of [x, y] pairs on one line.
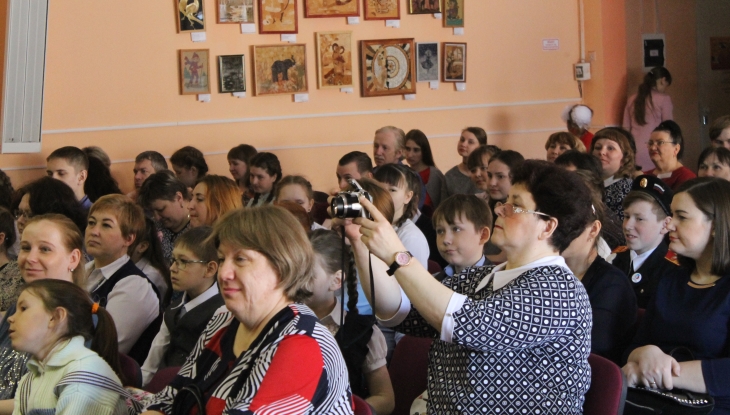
[[661, 262]]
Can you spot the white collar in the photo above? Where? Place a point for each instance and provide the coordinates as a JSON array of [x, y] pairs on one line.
[[334, 316], [449, 270], [109, 270], [502, 278], [611, 180], [638, 260], [205, 296]]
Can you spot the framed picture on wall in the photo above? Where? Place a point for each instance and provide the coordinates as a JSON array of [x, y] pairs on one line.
[[280, 69], [194, 72], [235, 11], [382, 9], [424, 6], [387, 67], [277, 16], [231, 73], [190, 15], [454, 16], [334, 59], [331, 8], [454, 58], [427, 61]]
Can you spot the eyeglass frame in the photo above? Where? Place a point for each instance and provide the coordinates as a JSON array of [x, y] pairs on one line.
[[517, 210], [185, 263], [25, 213], [658, 143]]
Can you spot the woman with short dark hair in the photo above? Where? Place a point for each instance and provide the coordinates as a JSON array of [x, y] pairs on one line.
[[492, 339], [714, 162], [666, 146]]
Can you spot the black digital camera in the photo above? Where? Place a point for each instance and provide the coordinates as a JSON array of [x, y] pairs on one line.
[[347, 204]]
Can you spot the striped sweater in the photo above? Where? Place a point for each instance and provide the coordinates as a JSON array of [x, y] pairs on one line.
[[293, 367]]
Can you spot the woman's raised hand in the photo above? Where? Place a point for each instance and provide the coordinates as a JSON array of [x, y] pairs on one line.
[[378, 234]]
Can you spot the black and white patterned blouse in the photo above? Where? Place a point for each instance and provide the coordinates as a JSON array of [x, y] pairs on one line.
[[522, 349], [616, 193]]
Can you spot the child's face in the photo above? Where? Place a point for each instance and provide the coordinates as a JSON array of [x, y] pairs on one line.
[[499, 181], [460, 244], [194, 278], [479, 174], [297, 194], [31, 327], [642, 229], [324, 285], [401, 197], [261, 181], [197, 208], [61, 169], [104, 239]]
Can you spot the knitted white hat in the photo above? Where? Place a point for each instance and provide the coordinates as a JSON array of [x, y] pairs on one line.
[[580, 114]]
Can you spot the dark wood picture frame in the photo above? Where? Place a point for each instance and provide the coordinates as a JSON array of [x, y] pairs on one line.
[[190, 16], [419, 6], [387, 67]]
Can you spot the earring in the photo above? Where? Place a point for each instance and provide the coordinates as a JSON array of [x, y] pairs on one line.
[[71, 269]]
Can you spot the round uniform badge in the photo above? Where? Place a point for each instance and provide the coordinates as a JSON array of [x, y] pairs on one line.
[[636, 278]]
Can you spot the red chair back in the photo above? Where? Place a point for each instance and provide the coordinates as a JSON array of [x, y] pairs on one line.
[[162, 378], [607, 393], [409, 371], [434, 267], [130, 371], [361, 407]]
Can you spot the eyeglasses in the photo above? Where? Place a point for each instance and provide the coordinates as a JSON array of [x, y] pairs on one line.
[[183, 263], [508, 210], [658, 143], [26, 213]]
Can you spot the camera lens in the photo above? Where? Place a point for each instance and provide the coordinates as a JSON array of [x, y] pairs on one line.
[[345, 205]]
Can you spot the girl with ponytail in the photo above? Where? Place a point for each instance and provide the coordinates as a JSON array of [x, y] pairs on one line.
[[55, 321], [646, 109], [361, 342]]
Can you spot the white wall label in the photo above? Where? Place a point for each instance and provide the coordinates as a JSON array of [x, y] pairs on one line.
[[289, 38], [248, 28], [353, 20], [198, 36], [392, 23], [204, 97], [301, 97], [550, 44]]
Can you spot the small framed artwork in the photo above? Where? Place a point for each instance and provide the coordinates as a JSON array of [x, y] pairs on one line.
[[334, 59], [387, 67], [454, 56], [194, 72], [190, 15], [454, 16], [382, 9], [231, 74], [331, 8], [427, 61], [424, 6], [280, 69], [235, 11], [277, 16]]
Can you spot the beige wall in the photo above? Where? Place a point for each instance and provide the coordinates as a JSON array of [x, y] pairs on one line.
[[112, 80], [677, 20]]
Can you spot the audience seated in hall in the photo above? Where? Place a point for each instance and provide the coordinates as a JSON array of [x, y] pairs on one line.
[[146, 164], [71, 166]]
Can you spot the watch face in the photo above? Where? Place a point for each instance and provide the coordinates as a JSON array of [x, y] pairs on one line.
[[402, 258]]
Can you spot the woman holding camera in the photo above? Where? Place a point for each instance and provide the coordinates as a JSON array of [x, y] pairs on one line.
[[495, 343]]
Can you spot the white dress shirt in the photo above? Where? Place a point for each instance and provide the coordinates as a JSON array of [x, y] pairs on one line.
[[637, 260], [162, 339], [132, 303]]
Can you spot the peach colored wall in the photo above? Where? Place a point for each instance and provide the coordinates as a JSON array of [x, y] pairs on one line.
[[112, 80], [677, 20]]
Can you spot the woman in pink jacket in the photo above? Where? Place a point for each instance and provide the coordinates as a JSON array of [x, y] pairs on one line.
[[646, 109]]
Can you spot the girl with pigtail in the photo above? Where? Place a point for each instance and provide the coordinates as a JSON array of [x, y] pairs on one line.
[[361, 342], [55, 322]]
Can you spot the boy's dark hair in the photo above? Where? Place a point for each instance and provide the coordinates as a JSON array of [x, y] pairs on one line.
[[470, 207], [197, 241], [7, 227], [161, 185], [189, 157], [561, 195], [158, 160], [73, 155], [399, 175], [362, 160]]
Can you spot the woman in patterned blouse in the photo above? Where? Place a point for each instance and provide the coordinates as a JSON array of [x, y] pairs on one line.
[[268, 353], [514, 338], [613, 146]]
